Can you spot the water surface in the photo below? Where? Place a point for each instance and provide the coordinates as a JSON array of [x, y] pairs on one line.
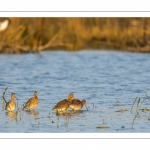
[[100, 77]]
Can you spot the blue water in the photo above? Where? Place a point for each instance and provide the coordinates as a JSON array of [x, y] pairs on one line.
[[100, 77]]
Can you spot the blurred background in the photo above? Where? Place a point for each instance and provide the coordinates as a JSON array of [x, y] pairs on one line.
[[23, 35]]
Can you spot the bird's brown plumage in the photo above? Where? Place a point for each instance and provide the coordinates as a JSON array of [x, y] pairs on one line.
[[63, 105], [11, 105], [32, 102], [77, 104]]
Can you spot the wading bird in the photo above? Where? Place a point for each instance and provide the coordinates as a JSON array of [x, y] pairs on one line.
[[11, 105], [77, 104], [32, 102], [63, 105]]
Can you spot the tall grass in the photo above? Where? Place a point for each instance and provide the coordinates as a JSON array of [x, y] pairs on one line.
[[36, 34]]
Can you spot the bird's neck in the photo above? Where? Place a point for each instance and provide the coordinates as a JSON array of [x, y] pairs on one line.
[[12, 99], [35, 96], [69, 99], [83, 104]]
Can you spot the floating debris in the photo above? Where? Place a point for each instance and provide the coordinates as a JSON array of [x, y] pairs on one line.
[[121, 110], [145, 109], [101, 127]]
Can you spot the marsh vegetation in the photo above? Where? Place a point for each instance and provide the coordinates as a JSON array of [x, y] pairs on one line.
[[26, 35]]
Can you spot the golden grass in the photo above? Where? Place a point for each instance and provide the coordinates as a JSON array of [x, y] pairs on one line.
[[36, 34]]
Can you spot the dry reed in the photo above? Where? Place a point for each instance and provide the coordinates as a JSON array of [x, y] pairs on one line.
[[26, 35]]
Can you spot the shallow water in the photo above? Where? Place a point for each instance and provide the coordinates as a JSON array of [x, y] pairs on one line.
[[100, 77]]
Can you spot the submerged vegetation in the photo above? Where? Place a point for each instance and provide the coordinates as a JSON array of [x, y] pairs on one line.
[[25, 35]]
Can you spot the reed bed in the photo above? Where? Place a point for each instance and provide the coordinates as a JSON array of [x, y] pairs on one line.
[[26, 35]]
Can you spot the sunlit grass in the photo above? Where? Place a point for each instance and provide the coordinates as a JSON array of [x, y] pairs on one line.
[[26, 35]]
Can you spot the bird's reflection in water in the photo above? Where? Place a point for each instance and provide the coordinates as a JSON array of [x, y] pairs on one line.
[[11, 114], [32, 112], [71, 113], [66, 116]]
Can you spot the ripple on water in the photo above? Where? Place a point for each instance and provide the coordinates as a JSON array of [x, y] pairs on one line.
[[99, 77]]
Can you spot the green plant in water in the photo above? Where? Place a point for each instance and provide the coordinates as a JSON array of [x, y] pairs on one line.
[[121, 106], [57, 113], [137, 110], [20, 116], [138, 104], [17, 114], [38, 125], [93, 105], [147, 98], [57, 125], [133, 104], [3, 98], [66, 121]]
